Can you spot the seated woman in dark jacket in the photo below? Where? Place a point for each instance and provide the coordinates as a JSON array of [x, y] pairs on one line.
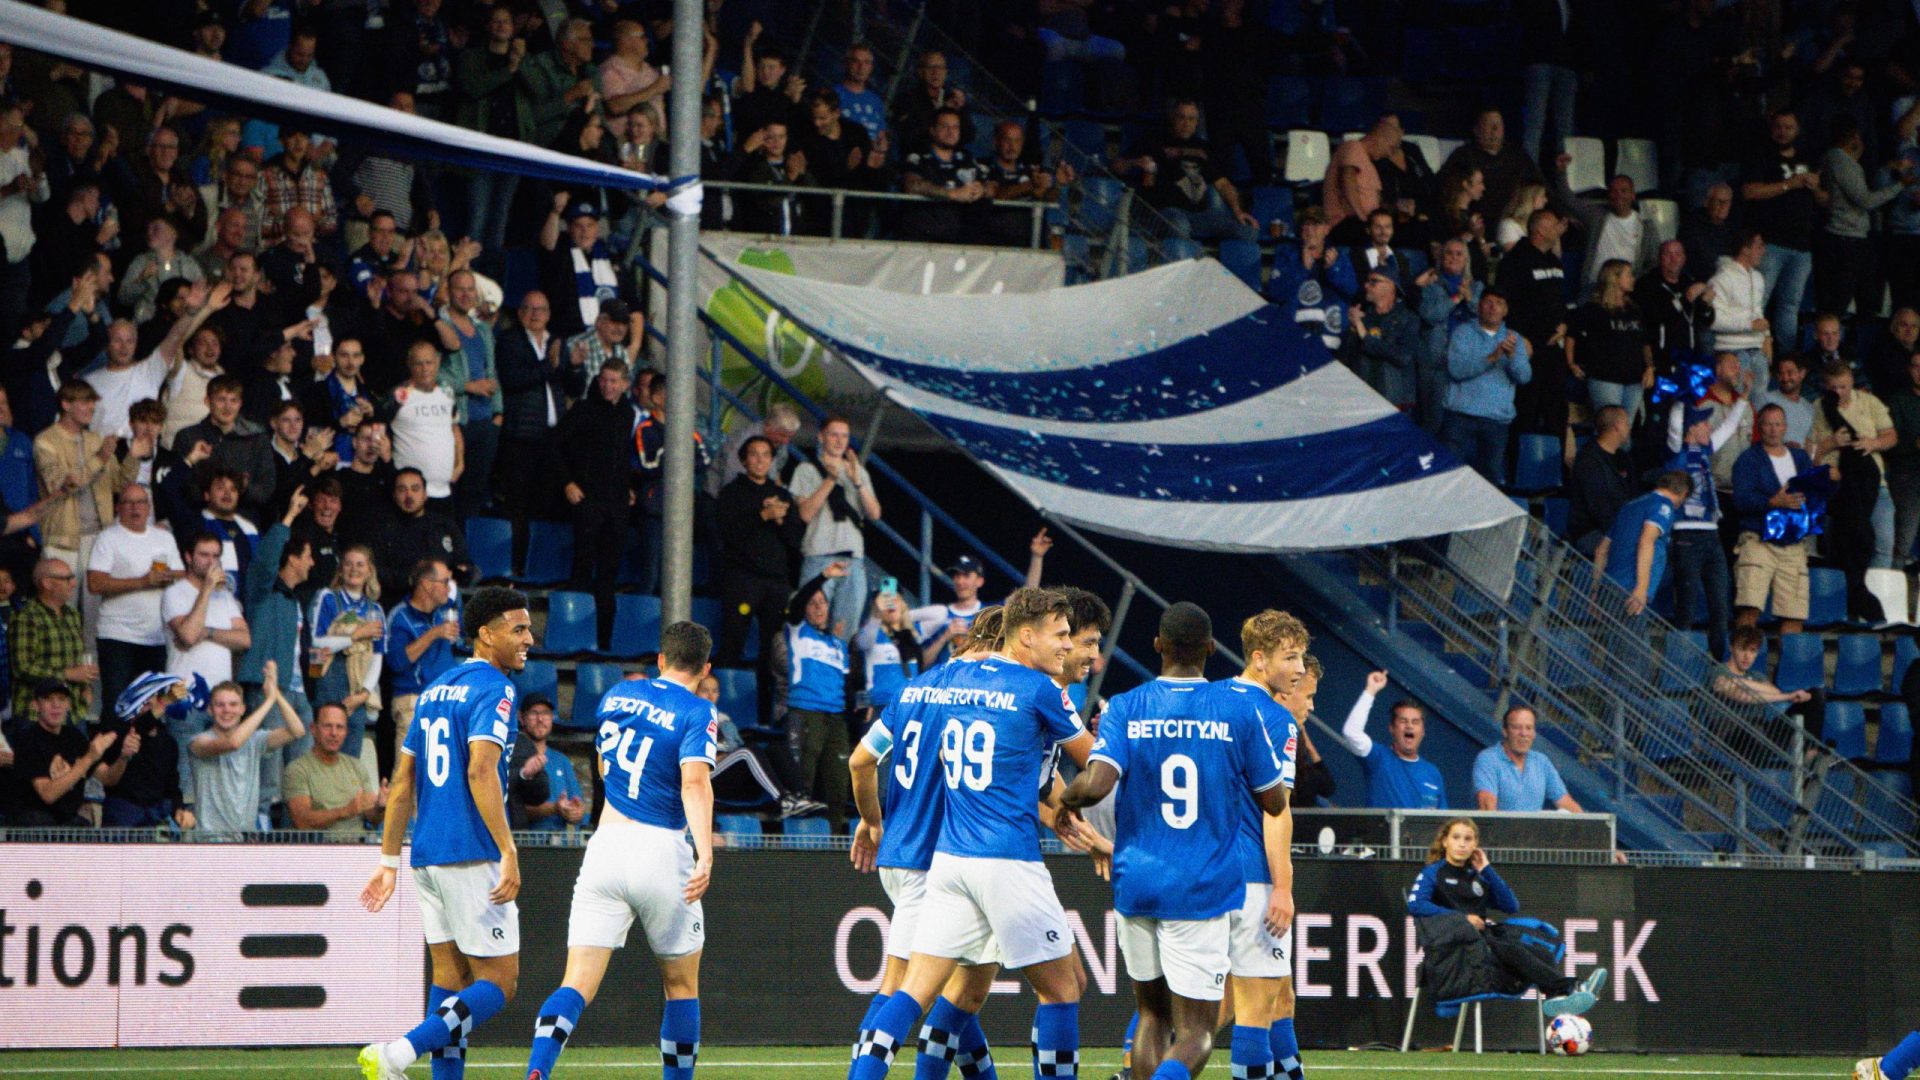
[[1466, 952]]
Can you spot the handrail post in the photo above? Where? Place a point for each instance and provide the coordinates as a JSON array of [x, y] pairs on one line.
[[1039, 213], [1112, 643], [926, 555], [714, 425], [839, 212]]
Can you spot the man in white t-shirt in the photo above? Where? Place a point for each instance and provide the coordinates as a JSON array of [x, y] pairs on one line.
[[133, 562], [420, 417], [205, 626], [127, 379]]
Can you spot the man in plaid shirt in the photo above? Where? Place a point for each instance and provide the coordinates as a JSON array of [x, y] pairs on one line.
[[47, 641], [617, 333], [295, 182]]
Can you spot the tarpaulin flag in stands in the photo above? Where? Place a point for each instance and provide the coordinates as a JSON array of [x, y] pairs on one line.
[[1173, 406]]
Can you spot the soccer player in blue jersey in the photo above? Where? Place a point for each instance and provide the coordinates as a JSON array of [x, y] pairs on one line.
[[998, 720], [656, 747], [1185, 757], [1397, 777], [467, 871], [1899, 1063], [1275, 646]]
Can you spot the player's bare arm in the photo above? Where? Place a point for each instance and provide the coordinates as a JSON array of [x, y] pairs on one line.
[[393, 835], [483, 782], [696, 796], [864, 768]]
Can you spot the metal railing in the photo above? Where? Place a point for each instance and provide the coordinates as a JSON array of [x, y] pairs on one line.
[[1127, 234], [1632, 697], [837, 200]]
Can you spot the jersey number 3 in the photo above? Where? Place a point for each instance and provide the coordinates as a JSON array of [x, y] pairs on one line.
[[967, 754], [909, 764]]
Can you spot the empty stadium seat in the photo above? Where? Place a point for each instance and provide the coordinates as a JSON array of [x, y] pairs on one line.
[[538, 677], [636, 626], [490, 546], [739, 697], [1833, 807], [1856, 669], [1905, 652], [1290, 100], [1243, 258], [1429, 148], [1063, 87], [571, 626], [707, 612], [1663, 217], [1686, 663], [807, 832], [522, 276], [1271, 203], [1845, 729], [1101, 203], [1894, 744], [1308, 155], [1889, 586], [1884, 800], [591, 683], [1769, 804], [1588, 169], [1446, 149], [1175, 248], [1557, 513], [1828, 604], [1352, 103], [1640, 160], [1802, 663], [1538, 467], [1088, 138], [549, 553], [737, 825], [1669, 733]]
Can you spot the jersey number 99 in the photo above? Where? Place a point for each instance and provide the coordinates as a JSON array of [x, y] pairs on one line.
[[967, 754], [1180, 783]]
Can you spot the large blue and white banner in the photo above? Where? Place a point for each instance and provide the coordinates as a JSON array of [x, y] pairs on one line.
[[1173, 406]]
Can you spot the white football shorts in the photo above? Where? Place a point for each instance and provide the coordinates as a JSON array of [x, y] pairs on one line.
[[1254, 953], [973, 904], [634, 871], [1191, 954], [454, 907]]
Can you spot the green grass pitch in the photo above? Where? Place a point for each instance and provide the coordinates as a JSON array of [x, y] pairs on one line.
[[829, 1063]]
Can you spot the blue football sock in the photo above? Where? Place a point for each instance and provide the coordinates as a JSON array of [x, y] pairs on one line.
[[1286, 1049], [557, 1016], [1252, 1054], [450, 1061], [1903, 1058], [975, 1060], [891, 1030], [455, 1017], [866, 1022], [1133, 1025], [1172, 1069], [940, 1040], [680, 1038], [1056, 1040]]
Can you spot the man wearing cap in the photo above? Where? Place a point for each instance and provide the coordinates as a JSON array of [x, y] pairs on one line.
[[46, 641], [146, 770], [327, 790], [52, 760], [577, 271], [936, 625], [546, 791], [1383, 339], [618, 333]]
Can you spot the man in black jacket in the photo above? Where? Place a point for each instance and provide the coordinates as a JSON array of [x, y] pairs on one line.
[[534, 385], [1535, 283], [412, 532], [761, 531], [594, 444], [1601, 481], [1677, 303]]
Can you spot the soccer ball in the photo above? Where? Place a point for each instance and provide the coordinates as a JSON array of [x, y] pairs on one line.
[[1569, 1035]]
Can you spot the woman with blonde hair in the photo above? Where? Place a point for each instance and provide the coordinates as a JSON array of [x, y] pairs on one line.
[[1607, 342], [1513, 221], [349, 639], [210, 161], [1466, 950]]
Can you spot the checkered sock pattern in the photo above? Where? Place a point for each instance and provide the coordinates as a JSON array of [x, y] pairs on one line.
[[1252, 1054], [866, 1023], [554, 1026], [891, 1030], [679, 1038], [975, 1061], [1286, 1049], [939, 1041], [455, 1017], [450, 1061], [1056, 1040]]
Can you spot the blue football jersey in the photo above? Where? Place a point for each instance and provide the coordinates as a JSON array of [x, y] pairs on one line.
[[1188, 761], [1239, 695], [998, 721], [907, 735], [648, 728], [470, 702]]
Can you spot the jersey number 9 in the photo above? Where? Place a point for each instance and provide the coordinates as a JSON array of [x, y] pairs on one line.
[[1180, 783], [439, 757], [967, 754]]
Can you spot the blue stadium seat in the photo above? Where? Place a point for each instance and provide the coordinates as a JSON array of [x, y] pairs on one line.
[[1137, 259], [1290, 101], [1352, 103], [1686, 662], [549, 553], [632, 573], [1078, 255], [1828, 606], [1088, 140], [1243, 258], [1883, 802], [739, 697], [571, 627], [737, 824], [1768, 799], [1557, 513], [490, 545], [1856, 672], [808, 832], [636, 625], [1802, 663], [1175, 248], [1063, 88], [1417, 261], [538, 677], [1905, 651], [591, 683], [1845, 729], [1271, 203], [522, 276], [1894, 744], [1538, 467], [1834, 807], [707, 612]]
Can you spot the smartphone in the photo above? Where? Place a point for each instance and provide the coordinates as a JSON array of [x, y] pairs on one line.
[[889, 586]]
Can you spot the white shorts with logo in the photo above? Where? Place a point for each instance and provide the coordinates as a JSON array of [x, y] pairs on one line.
[[973, 904], [633, 871], [1253, 952], [454, 907], [907, 891], [1191, 954]]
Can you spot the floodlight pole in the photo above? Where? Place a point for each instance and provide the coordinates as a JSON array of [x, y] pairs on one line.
[[683, 329]]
